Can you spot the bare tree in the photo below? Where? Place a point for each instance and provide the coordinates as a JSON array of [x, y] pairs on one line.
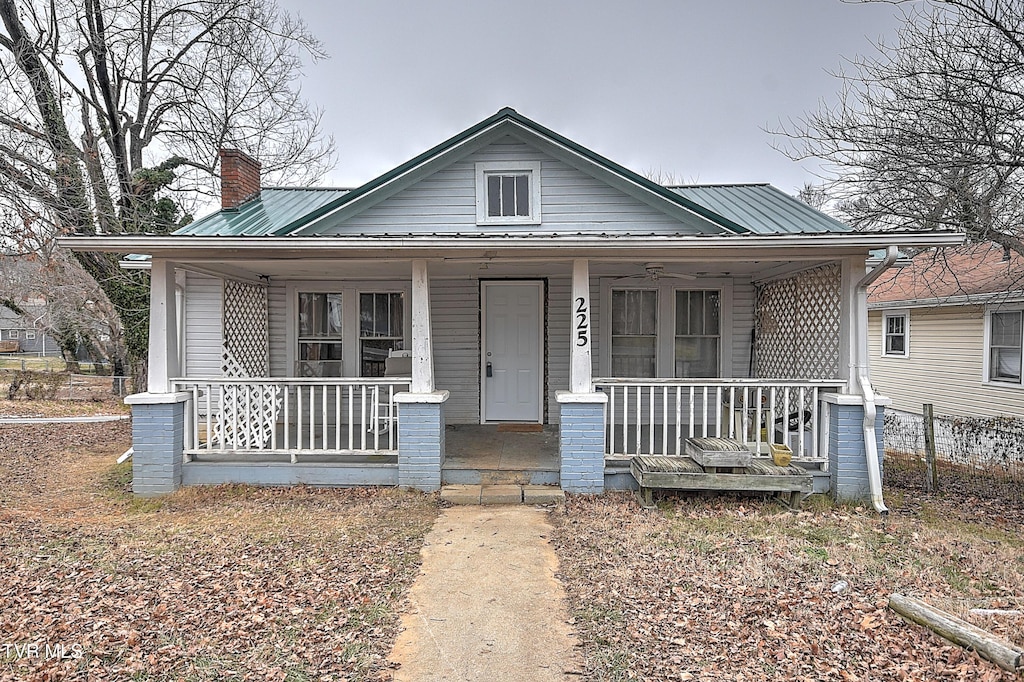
[[929, 132], [112, 112]]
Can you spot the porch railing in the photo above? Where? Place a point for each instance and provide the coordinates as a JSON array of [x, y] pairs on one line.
[[656, 416], [292, 416]]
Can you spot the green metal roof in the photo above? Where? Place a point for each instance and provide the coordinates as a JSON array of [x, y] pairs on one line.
[[762, 209], [758, 209], [276, 208]]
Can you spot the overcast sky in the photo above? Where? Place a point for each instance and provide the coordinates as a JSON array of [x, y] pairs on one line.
[[684, 87]]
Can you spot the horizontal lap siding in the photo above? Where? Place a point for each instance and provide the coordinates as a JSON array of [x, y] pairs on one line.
[[742, 324], [945, 365], [203, 334], [445, 201], [278, 330], [455, 321]]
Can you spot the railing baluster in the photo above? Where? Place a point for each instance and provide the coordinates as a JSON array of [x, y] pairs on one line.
[[287, 415], [625, 419], [337, 417], [679, 419], [298, 417], [690, 430], [639, 420], [758, 420], [362, 416], [351, 404], [664, 420], [650, 448], [610, 446]]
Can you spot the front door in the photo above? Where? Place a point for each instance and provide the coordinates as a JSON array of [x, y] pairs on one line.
[[513, 365]]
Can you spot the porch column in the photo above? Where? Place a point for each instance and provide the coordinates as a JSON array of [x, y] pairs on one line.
[[581, 434], [163, 327], [580, 366], [421, 411], [158, 416]]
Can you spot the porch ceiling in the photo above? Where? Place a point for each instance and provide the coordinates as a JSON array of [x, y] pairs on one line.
[[484, 267]]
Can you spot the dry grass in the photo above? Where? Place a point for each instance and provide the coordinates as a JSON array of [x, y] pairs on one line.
[[206, 584], [743, 590]]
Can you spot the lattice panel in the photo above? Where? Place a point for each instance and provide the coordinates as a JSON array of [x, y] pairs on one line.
[[246, 339], [798, 325], [248, 412]]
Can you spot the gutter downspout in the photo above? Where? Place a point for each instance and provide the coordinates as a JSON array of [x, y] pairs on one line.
[[870, 409]]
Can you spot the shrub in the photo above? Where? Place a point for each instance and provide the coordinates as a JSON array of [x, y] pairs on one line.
[[35, 385]]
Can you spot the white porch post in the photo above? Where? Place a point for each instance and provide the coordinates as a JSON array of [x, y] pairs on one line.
[[581, 431], [158, 416], [421, 410], [852, 270], [422, 343], [580, 367], [163, 327]]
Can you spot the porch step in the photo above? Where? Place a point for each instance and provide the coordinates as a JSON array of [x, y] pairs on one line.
[[478, 477], [502, 494]]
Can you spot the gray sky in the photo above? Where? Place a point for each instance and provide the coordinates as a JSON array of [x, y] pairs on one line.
[[684, 87]]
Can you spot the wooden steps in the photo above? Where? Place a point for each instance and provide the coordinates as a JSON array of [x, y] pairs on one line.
[[659, 472]]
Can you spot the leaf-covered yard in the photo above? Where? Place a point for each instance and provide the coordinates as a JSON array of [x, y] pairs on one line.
[[732, 589], [208, 584]]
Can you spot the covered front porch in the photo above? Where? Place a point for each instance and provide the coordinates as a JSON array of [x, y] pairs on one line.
[[429, 426]]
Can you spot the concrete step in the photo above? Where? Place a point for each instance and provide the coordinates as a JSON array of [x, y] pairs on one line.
[[502, 494], [477, 476]]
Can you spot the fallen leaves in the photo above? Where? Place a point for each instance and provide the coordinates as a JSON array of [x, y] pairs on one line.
[[721, 590], [210, 584]]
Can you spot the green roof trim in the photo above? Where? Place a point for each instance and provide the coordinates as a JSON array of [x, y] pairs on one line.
[[473, 131]]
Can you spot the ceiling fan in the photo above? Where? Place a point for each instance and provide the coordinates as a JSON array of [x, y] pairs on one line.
[[654, 272]]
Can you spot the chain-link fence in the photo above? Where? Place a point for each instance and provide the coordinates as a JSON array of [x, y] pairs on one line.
[[55, 385], [979, 457]]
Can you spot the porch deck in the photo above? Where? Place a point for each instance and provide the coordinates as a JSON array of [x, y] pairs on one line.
[[483, 454]]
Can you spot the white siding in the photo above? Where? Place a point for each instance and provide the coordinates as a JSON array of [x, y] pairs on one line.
[[445, 201], [278, 332], [944, 367], [742, 324], [455, 322], [203, 331]]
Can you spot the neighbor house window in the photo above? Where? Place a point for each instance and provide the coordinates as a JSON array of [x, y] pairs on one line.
[[634, 332], [508, 192], [320, 335], [895, 334], [13, 334], [1005, 336], [381, 326], [698, 334], [30, 334]]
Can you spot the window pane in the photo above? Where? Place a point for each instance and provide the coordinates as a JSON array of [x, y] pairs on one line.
[[712, 314], [633, 356], [1006, 329], [1006, 364], [895, 344], [373, 354], [696, 356], [319, 315], [494, 195], [333, 322], [522, 195]]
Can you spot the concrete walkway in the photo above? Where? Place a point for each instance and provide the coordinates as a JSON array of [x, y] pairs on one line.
[[487, 605]]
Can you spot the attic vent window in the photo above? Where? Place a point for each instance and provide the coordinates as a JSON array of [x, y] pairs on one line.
[[508, 193]]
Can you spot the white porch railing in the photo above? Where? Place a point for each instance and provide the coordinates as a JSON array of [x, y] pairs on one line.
[[656, 416], [291, 416]]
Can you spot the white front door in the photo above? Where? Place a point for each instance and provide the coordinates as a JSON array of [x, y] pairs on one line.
[[513, 365]]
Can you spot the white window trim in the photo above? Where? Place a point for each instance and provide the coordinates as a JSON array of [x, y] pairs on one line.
[[349, 290], [14, 334], [529, 168], [30, 335], [665, 347], [905, 314], [987, 350]]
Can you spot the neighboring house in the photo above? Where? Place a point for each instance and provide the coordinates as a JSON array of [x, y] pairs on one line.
[[18, 335], [947, 329], [506, 275]]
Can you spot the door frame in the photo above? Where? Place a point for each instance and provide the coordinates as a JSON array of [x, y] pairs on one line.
[[542, 321]]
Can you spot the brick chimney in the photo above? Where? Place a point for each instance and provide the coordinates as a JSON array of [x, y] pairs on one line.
[[239, 178]]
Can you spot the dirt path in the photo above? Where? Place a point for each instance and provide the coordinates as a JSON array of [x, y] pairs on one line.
[[487, 605]]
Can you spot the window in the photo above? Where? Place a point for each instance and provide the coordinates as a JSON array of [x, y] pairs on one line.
[[13, 334], [30, 334], [381, 324], [698, 335], [320, 335], [634, 332], [1005, 329], [508, 193], [894, 333]]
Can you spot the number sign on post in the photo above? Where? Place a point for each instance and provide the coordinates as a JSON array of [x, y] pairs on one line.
[[579, 366]]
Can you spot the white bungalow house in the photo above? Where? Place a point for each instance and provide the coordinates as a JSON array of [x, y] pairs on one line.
[[507, 275]]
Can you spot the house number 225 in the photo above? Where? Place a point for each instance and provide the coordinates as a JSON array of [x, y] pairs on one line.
[[582, 322]]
